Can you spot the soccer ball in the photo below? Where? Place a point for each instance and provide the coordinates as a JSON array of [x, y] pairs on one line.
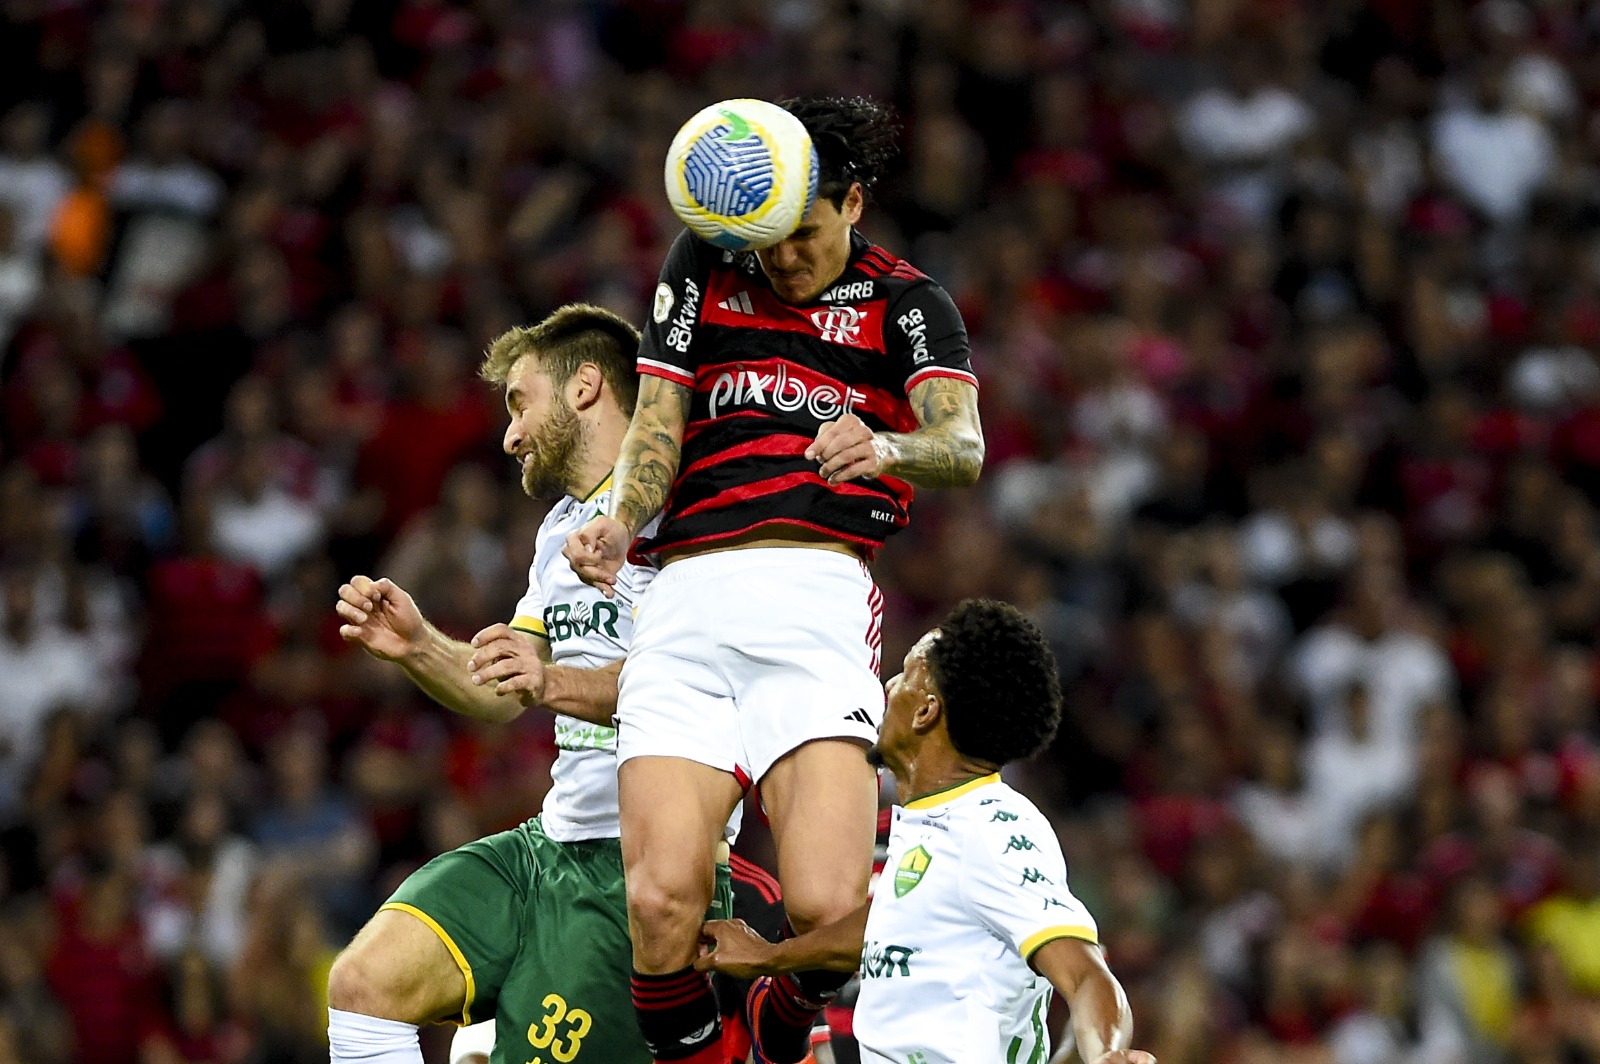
[[741, 174]]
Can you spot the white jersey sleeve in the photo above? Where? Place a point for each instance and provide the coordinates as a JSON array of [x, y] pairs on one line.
[[530, 607], [1016, 879]]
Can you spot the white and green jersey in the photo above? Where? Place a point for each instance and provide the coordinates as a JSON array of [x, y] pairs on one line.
[[974, 884], [586, 630]]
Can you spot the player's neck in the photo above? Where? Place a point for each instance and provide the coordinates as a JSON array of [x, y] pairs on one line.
[[935, 770], [598, 457]]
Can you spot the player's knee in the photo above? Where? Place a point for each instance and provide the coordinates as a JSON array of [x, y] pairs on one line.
[[818, 904], [350, 984], [361, 981], [666, 913]]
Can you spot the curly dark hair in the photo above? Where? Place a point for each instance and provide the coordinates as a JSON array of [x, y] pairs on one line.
[[998, 681], [854, 138]]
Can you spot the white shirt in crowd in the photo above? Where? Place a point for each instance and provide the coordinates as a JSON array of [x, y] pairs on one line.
[[1496, 159]]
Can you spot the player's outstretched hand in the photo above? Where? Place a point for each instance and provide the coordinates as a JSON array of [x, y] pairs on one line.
[[1126, 1056], [848, 450], [509, 660], [597, 550], [733, 948], [380, 617]]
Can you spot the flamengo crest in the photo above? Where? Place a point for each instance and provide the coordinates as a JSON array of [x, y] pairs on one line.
[[839, 325]]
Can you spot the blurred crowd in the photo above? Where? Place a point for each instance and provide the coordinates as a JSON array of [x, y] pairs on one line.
[[1287, 314]]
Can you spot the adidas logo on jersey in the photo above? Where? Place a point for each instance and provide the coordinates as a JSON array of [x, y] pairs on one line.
[[861, 716], [739, 303]]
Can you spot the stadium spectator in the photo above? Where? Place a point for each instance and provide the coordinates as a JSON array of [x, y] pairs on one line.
[[1312, 285]]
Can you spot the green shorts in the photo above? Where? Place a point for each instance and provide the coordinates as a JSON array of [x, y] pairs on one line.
[[540, 930]]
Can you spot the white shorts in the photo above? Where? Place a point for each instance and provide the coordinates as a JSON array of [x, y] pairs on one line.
[[741, 656]]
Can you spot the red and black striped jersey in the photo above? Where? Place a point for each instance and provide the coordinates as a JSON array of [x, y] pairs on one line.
[[766, 374]]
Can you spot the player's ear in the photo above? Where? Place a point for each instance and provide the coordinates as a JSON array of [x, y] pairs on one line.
[[586, 386], [854, 200], [928, 714]]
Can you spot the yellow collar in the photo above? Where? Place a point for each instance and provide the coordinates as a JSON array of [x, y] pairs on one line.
[[951, 793], [598, 488]]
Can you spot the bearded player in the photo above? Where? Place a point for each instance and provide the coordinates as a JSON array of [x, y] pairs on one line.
[[528, 926]]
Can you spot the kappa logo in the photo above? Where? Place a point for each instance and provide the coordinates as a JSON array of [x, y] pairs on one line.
[[913, 866], [738, 303], [839, 325]]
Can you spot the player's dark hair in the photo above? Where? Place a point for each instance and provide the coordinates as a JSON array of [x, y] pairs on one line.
[[569, 337], [998, 681], [854, 138]]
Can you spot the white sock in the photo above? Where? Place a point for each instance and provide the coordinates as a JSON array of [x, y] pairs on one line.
[[472, 1043], [354, 1038]]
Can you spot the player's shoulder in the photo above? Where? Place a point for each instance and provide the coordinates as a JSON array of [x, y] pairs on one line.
[[561, 514], [688, 249], [999, 811], [889, 269]]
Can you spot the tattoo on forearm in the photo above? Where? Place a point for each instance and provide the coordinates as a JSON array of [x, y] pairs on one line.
[[651, 450], [947, 451]]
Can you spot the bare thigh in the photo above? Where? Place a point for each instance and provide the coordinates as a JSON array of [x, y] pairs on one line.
[[673, 814], [822, 800], [396, 968]]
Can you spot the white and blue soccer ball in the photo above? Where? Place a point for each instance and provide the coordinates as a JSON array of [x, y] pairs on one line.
[[741, 174]]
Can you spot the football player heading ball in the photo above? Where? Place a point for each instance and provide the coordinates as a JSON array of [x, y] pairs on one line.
[[789, 399]]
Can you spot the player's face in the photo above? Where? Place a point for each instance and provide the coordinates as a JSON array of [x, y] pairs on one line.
[[803, 266], [907, 693], [544, 432]]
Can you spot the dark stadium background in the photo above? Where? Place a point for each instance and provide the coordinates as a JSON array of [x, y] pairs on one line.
[[1286, 314]]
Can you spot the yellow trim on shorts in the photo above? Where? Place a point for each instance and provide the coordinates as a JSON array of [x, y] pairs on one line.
[[449, 944], [1039, 939], [532, 625], [950, 794]]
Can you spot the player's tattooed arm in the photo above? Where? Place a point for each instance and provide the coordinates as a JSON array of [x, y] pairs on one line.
[[651, 452], [946, 451]]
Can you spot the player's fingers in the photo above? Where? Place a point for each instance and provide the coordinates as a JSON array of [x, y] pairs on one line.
[[1139, 1056], [349, 632], [845, 442], [520, 681], [866, 467], [497, 650], [364, 586], [855, 454], [600, 573], [357, 598], [824, 433], [496, 670], [498, 630], [349, 612]]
